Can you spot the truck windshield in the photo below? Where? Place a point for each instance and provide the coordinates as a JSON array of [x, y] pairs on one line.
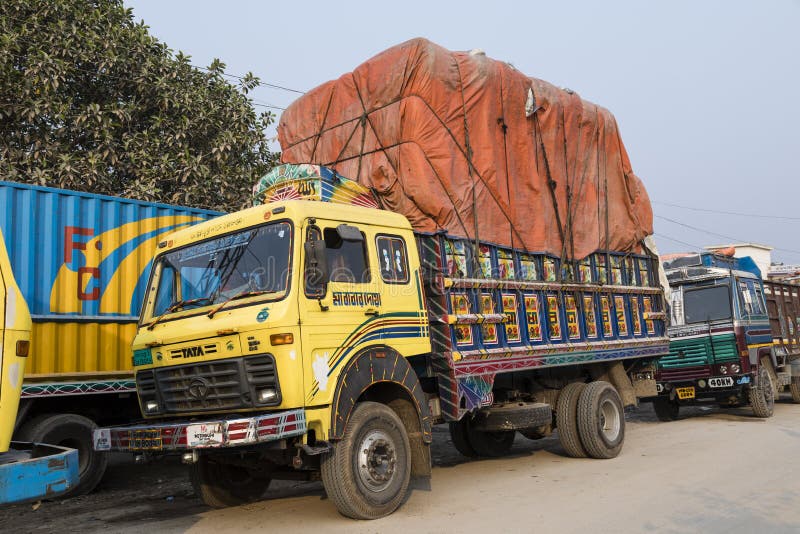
[[254, 261], [711, 303]]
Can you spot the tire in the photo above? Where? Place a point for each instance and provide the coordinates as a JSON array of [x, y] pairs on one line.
[[666, 410], [491, 444], [567, 420], [220, 484], [458, 433], [367, 473], [794, 388], [74, 431], [762, 396], [537, 432], [601, 420]]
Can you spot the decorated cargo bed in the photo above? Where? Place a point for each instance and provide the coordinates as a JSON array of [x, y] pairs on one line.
[[495, 309]]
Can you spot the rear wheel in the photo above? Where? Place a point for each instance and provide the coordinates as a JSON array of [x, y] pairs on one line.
[[492, 444], [537, 432], [567, 419], [762, 395], [794, 388], [666, 410], [458, 434], [601, 420], [73, 431], [221, 484], [367, 473]]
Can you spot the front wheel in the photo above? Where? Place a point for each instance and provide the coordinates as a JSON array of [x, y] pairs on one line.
[[221, 484], [762, 395], [601, 420], [666, 410], [367, 473]]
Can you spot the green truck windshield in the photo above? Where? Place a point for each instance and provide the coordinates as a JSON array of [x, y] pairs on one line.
[[707, 304], [256, 261]]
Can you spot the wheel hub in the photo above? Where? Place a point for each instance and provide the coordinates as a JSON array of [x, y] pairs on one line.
[[376, 460], [610, 420]]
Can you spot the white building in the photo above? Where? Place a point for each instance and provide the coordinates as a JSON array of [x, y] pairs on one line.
[[761, 254]]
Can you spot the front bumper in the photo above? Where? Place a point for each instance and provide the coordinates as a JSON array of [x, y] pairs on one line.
[[213, 433], [724, 387]]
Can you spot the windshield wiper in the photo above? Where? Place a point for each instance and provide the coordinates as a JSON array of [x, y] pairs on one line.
[[176, 306], [242, 294]]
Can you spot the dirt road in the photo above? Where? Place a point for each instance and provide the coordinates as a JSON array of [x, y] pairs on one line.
[[712, 471]]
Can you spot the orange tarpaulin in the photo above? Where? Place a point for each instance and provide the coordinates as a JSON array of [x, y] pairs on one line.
[[461, 142]]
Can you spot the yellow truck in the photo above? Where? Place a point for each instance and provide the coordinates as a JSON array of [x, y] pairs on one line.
[[321, 336], [28, 471]]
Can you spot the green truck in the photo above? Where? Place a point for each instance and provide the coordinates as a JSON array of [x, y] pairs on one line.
[[733, 337]]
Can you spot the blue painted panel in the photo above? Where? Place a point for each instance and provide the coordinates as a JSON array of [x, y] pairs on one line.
[[28, 478], [79, 255]]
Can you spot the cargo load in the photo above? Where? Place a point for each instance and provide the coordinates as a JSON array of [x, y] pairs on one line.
[[459, 142]]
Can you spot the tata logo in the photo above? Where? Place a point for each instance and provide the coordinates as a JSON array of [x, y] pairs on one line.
[[198, 388], [192, 352]]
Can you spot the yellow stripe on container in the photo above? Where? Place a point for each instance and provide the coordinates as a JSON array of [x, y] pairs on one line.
[[60, 350]]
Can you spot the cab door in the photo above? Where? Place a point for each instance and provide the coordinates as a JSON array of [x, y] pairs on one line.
[[337, 311]]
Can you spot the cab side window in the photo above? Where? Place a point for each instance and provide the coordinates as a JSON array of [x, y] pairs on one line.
[[347, 260], [752, 298], [393, 259]]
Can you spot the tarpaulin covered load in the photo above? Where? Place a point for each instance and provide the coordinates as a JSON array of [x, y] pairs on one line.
[[461, 142]]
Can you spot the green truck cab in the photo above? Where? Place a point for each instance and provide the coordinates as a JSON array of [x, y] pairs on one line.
[[720, 338]]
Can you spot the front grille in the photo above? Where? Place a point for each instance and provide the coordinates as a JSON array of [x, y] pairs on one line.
[[210, 386], [676, 375], [699, 352]]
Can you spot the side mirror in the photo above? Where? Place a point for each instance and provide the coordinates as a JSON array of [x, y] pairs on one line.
[[316, 269], [349, 233]]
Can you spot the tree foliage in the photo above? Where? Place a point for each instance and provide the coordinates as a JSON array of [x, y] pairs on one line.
[[89, 100]]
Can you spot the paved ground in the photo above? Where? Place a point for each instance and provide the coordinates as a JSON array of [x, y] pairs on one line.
[[712, 471]]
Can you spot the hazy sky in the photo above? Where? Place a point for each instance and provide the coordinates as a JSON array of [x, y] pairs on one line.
[[705, 93]]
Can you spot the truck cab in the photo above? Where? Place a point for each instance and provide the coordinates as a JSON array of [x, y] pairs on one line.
[[28, 471], [15, 335], [720, 338]]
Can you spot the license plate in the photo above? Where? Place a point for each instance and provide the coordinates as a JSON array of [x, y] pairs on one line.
[[148, 439], [720, 382], [204, 435], [686, 393]]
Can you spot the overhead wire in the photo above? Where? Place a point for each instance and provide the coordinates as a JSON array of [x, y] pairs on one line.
[[663, 236], [723, 212], [724, 236]]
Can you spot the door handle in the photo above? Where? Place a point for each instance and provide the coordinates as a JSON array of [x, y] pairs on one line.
[[372, 311]]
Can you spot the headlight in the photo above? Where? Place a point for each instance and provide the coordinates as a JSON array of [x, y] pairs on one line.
[[723, 369], [151, 406], [735, 368], [266, 395], [701, 383]]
